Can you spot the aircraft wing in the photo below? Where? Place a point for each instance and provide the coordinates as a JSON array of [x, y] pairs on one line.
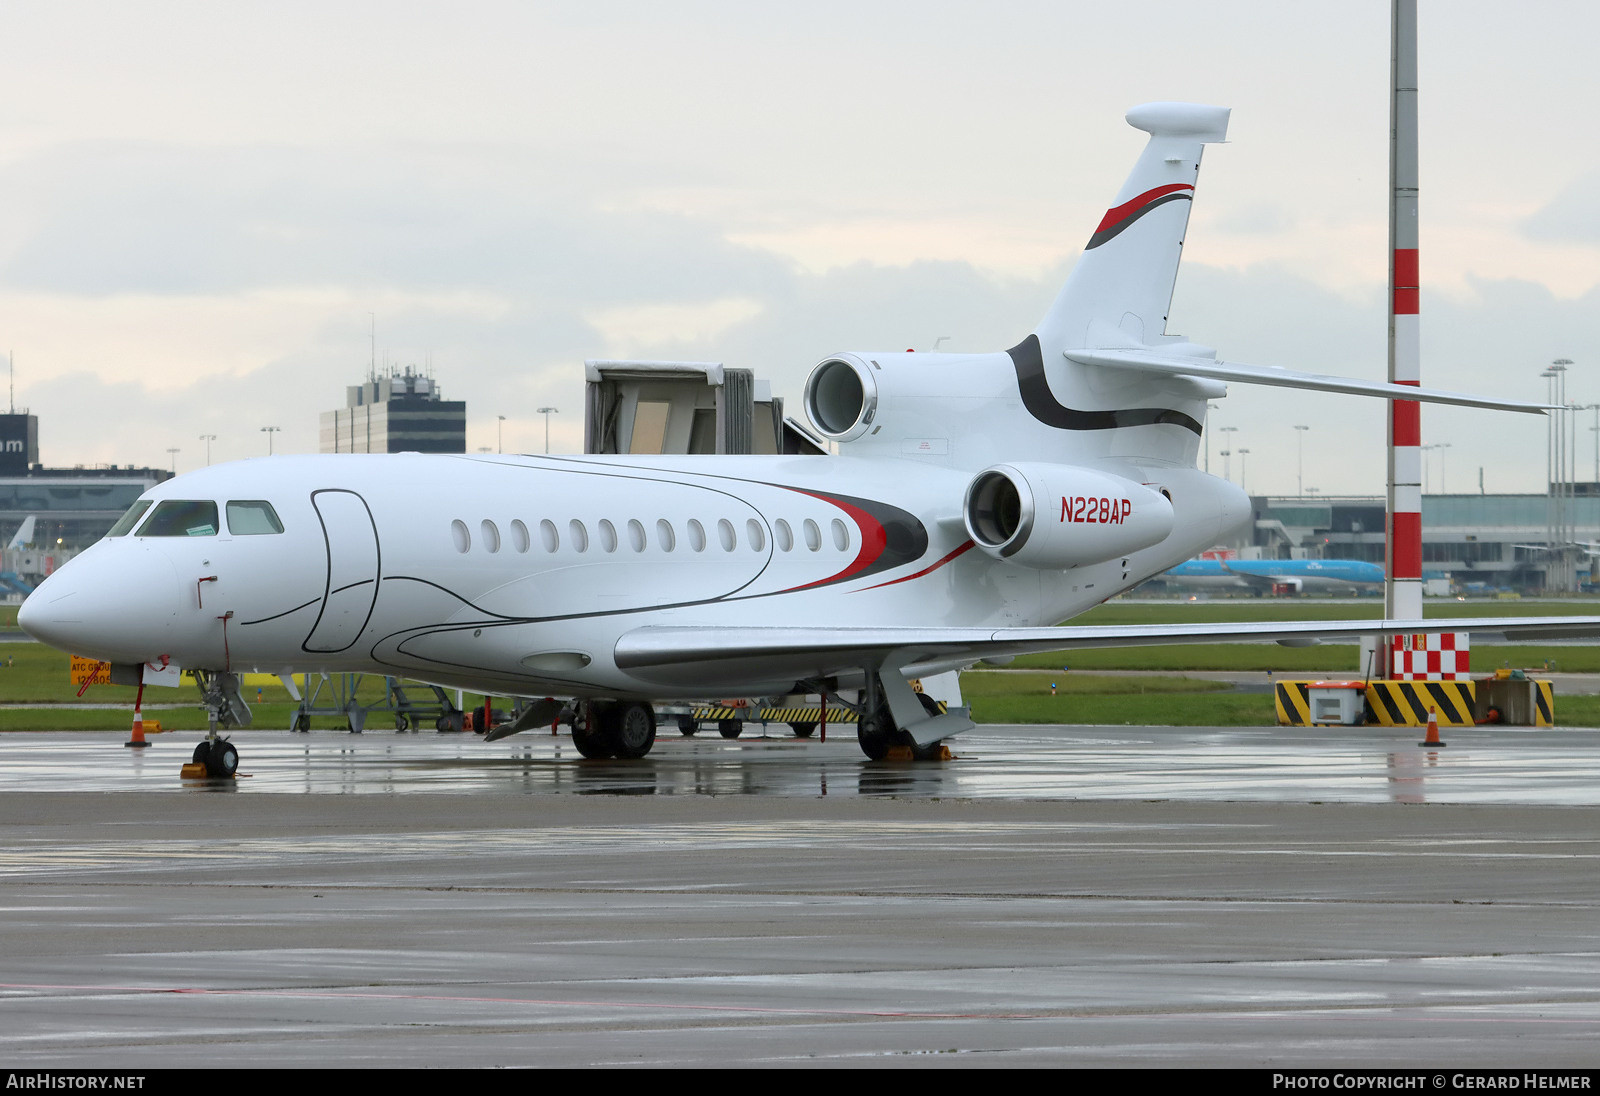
[[1186, 365], [684, 655]]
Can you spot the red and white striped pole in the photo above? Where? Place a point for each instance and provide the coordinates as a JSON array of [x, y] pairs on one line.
[[1403, 591]]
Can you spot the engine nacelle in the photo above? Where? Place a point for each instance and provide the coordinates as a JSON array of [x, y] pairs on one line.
[[1055, 516], [841, 397]]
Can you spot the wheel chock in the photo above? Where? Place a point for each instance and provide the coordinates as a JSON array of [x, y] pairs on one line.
[[905, 753], [194, 770]]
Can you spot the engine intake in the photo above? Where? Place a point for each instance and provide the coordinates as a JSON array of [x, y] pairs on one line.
[[1056, 517], [841, 397]]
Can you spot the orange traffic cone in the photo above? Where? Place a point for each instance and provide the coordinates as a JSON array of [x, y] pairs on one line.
[[136, 740], [1433, 731]]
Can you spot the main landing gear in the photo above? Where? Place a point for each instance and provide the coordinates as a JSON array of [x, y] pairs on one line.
[[879, 732], [619, 728]]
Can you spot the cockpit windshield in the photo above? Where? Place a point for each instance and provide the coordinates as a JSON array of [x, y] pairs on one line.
[[130, 519], [253, 517], [182, 518]]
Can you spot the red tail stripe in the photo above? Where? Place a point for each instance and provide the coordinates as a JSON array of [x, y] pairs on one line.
[[1133, 205]]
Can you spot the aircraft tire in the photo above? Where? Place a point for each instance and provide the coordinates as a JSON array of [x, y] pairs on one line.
[[588, 739], [730, 728], [202, 753], [631, 727], [222, 759], [804, 730], [874, 737]]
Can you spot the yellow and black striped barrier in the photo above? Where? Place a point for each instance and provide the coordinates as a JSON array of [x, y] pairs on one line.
[[774, 715], [780, 715], [1544, 704], [1406, 703], [1293, 700]]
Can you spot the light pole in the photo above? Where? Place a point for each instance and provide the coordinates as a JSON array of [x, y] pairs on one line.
[[547, 412], [1244, 479], [1227, 464], [269, 431], [208, 439], [174, 453], [1425, 450], [499, 434], [1300, 459]]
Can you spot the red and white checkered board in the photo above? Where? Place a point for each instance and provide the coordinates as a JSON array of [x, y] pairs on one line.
[[1443, 656]]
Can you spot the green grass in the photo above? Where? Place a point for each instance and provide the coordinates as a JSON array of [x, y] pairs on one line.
[[34, 674]]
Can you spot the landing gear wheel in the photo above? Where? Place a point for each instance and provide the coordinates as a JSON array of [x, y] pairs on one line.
[[688, 725], [401, 723], [202, 753], [803, 730], [449, 723], [587, 738], [730, 728], [631, 727], [221, 759], [875, 736]]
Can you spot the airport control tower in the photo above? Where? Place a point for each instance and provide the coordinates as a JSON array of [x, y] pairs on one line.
[[401, 412]]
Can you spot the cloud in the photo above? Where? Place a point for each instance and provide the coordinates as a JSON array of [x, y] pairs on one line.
[[101, 219], [1573, 216]]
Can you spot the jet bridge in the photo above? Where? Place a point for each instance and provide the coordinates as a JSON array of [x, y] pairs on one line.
[[686, 408]]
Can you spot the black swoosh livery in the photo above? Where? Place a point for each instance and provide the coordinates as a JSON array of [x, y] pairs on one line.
[[1042, 404]]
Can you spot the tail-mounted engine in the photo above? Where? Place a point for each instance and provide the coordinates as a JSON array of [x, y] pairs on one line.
[[841, 397], [1053, 516]]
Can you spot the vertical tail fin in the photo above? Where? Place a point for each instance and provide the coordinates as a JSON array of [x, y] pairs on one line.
[[1120, 290]]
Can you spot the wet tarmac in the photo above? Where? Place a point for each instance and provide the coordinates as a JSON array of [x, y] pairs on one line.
[[1055, 896], [1028, 763]]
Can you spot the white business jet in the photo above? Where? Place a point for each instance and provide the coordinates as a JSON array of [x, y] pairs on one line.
[[975, 500]]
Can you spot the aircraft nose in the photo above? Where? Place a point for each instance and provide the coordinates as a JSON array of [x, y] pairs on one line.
[[118, 602]]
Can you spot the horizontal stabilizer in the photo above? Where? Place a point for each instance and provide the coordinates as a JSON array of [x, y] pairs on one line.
[[1175, 365]]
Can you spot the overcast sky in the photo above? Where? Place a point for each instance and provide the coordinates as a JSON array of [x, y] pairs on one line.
[[204, 207]]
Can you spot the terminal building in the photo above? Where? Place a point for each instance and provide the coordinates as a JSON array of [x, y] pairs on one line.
[[71, 508], [402, 412], [1522, 543]]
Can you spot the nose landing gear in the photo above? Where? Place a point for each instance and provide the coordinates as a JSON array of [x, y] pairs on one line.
[[225, 706]]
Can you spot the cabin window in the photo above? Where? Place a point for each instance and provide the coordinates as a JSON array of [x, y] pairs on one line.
[[491, 535], [726, 535], [841, 535], [519, 536], [665, 536], [697, 535], [608, 535], [130, 519], [580, 536], [784, 535], [813, 536], [459, 534], [253, 517], [756, 535], [635, 534], [182, 518], [548, 535]]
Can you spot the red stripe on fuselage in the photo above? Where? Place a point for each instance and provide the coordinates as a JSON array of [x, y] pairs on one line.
[[929, 569], [873, 541], [1120, 213]]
